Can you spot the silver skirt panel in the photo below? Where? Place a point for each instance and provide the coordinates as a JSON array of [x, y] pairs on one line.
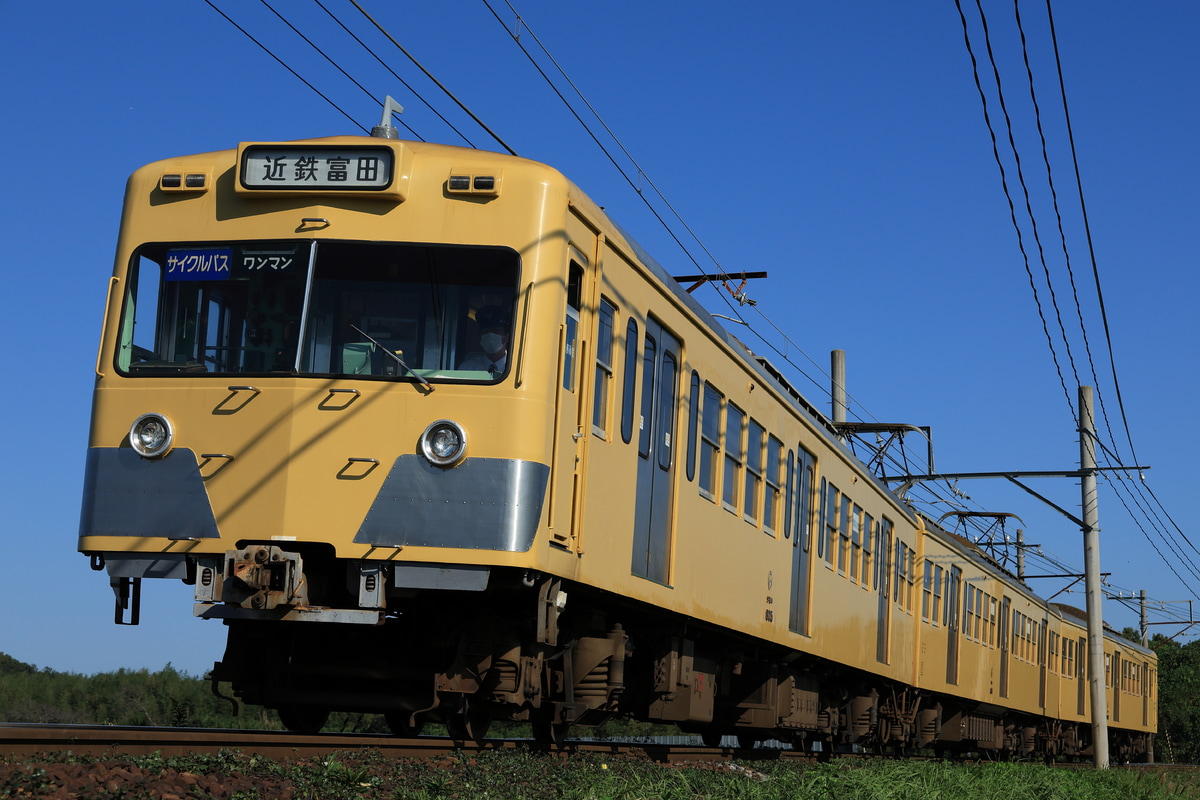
[[482, 504], [127, 495]]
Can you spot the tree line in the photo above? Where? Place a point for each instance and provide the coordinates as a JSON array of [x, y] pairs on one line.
[[166, 698]]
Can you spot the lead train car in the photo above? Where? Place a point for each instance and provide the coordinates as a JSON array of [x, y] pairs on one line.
[[629, 514]]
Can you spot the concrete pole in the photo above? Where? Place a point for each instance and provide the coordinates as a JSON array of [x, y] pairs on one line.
[[1091, 569], [837, 363], [1020, 554], [1145, 627]]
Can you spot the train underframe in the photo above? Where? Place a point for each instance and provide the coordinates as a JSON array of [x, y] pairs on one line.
[[537, 649]]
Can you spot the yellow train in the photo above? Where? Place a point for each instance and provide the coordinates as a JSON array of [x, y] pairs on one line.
[[436, 439]]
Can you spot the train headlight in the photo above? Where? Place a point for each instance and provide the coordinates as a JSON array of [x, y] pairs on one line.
[[151, 435], [444, 443]]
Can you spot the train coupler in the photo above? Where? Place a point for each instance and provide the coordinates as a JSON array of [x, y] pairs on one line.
[[263, 578]]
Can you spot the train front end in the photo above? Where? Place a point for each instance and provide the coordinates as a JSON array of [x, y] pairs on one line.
[[322, 400]]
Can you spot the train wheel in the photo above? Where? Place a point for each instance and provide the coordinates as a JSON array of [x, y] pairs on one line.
[[746, 741], [548, 732], [303, 719], [711, 738], [469, 726], [468, 723], [479, 722], [457, 728], [400, 723]]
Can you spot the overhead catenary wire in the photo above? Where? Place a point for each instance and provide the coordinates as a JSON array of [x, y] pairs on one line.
[[431, 77], [1151, 516], [521, 22], [326, 56], [641, 173], [1012, 209], [284, 64], [394, 74], [1088, 229], [785, 353], [734, 311], [1183, 558]]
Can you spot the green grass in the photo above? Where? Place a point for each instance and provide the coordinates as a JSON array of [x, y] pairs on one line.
[[522, 775]]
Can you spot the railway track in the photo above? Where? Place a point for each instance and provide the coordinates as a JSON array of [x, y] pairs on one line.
[[25, 740], [123, 741]]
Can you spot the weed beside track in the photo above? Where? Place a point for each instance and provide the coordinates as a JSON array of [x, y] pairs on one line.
[[527, 775]]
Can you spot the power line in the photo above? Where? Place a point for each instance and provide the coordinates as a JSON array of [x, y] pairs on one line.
[[1012, 210], [1182, 557], [281, 63], [786, 353], [1088, 229], [326, 56], [429, 75], [394, 74]]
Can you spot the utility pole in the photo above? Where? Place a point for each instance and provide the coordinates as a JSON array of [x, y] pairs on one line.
[[1090, 526], [1020, 554], [837, 363], [1144, 627], [1091, 568]]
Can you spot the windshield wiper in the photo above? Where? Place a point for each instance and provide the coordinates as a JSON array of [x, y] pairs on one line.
[[394, 356]]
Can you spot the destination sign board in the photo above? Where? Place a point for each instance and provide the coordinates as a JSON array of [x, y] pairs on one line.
[[317, 168]]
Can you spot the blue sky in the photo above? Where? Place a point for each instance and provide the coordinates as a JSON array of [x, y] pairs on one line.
[[838, 146]]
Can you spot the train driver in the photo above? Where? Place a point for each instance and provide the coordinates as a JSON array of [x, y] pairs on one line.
[[493, 338]]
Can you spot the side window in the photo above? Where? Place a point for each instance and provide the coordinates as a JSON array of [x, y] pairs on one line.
[[649, 353], [629, 381], [819, 531], [883, 549], [668, 383], [710, 441], [805, 500], [604, 370], [977, 606], [789, 496], [832, 506], [906, 574], [571, 330], [900, 572], [843, 560], [771, 476], [950, 607], [927, 593], [856, 532], [734, 418], [754, 471], [939, 592], [868, 547], [969, 613], [693, 424]]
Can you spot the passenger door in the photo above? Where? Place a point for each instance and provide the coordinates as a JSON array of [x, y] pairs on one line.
[[654, 509], [883, 575], [569, 415], [951, 618], [806, 466]]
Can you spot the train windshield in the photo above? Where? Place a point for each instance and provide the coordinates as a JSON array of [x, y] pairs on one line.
[[391, 311]]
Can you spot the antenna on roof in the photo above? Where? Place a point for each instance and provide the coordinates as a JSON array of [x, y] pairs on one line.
[[385, 129]]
